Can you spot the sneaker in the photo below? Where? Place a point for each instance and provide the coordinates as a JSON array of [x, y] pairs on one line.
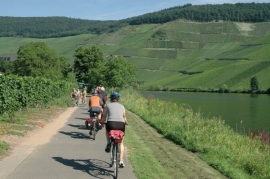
[[108, 147], [90, 132], [121, 164]]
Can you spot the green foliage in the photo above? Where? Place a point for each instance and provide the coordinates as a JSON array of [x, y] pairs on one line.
[[254, 84], [6, 67], [3, 147], [46, 27], [240, 12], [89, 65], [119, 72], [37, 59], [25, 92]]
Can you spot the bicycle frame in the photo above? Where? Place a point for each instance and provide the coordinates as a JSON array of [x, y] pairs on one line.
[[95, 124]]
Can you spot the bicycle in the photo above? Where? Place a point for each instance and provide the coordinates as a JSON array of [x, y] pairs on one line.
[[116, 137], [96, 125], [73, 101], [83, 100]]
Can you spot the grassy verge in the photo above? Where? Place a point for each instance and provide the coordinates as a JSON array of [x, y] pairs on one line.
[[236, 156], [26, 120], [142, 160], [153, 156]]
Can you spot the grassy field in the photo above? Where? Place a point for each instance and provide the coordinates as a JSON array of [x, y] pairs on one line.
[[226, 52]]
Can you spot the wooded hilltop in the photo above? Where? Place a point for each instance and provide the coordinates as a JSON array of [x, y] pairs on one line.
[[48, 27]]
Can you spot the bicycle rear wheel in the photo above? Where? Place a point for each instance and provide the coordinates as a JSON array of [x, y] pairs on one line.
[[111, 153], [95, 129], [116, 160]]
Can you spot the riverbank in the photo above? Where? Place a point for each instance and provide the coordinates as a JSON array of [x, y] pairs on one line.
[[234, 155], [153, 156], [214, 90]]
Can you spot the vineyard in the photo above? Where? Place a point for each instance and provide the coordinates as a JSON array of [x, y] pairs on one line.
[[27, 92], [211, 54]]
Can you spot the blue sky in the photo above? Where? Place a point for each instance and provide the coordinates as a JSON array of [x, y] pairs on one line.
[[96, 9]]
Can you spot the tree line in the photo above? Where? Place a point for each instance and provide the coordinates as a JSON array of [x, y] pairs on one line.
[[47, 27], [239, 12], [36, 59]]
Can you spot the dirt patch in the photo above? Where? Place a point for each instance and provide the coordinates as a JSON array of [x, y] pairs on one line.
[[244, 27], [178, 162]]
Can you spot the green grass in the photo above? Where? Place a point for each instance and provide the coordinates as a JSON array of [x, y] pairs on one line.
[[147, 168], [236, 156], [3, 147]]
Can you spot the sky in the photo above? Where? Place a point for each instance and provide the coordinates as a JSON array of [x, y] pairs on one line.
[[97, 9]]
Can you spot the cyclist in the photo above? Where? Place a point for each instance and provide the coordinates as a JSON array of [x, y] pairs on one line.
[[115, 114], [78, 96], [103, 96], [73, 96], [84, 93], [95, 103]]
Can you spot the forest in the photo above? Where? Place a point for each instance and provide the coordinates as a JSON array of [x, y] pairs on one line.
[[48, 27]]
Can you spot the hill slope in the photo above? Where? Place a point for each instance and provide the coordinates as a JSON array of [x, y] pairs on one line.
[[179, 54]]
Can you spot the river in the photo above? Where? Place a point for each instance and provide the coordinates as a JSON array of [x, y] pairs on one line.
[[243, 112]]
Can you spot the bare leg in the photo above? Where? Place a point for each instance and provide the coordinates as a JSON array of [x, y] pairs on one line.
[[107, 136], [121, 148]]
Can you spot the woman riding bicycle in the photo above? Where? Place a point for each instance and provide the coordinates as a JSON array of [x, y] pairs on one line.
[[115, 114]]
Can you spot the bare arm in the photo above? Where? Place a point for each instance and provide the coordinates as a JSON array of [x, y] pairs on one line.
[[105, 114], [124, 115]]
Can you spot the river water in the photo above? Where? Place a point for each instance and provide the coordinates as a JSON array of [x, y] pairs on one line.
[[243, 112]]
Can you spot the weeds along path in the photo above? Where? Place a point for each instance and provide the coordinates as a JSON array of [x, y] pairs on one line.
[[175, 161]]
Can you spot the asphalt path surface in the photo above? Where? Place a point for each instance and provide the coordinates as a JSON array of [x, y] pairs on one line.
[[69, 153]]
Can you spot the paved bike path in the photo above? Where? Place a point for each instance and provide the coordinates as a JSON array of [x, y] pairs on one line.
[[69, 153]]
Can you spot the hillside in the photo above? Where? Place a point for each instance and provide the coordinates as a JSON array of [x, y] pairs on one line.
[[48, 27], [179, 54]]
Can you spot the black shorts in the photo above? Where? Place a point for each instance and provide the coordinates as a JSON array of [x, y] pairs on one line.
[[95, 109], [115, 125]]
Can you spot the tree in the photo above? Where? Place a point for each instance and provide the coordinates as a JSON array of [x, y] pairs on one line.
[[119, 72], [254, 84], [6, 67], [37, 59], [89, 65]]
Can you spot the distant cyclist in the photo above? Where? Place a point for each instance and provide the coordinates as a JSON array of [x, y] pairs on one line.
[[84, 94], [115, 113], [73, 96], [103, 95], [78, 97]]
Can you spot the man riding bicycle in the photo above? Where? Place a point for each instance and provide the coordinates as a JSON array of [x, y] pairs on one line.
[[95, 103], [103, 95], [73, 96], [115, 114], [84, 93]]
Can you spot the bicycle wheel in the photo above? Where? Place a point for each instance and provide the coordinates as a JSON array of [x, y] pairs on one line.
[[95, 128], [116, 160], [111, 153]]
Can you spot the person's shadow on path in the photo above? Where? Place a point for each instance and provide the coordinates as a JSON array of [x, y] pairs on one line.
[[78, 126], [75, 135], [94, 167]]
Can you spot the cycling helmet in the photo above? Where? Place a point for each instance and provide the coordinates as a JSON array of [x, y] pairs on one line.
[[115, 95]]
